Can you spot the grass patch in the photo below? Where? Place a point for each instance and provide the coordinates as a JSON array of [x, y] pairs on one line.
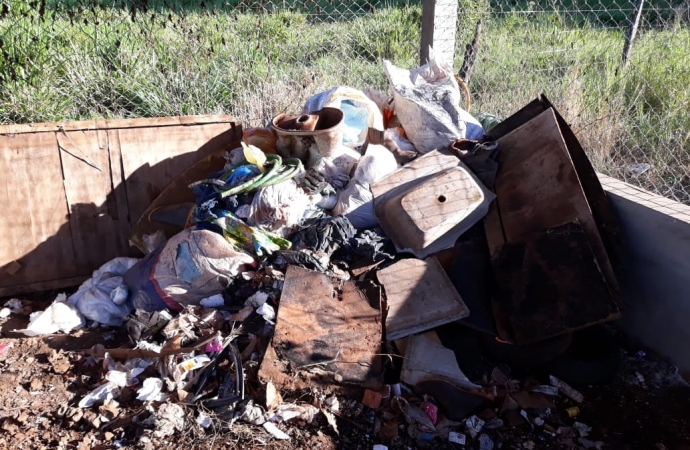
[[85, 59]]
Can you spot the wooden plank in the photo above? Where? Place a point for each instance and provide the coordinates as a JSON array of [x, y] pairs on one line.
[[87, 181], [53, 127], [36, 242], [117, 198], [328, 322], [152, 158]]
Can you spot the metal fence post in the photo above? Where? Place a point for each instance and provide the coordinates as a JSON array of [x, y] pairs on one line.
[[439, 21]]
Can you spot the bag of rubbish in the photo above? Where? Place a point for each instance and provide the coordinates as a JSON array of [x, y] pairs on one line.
[[59, 316], [193, 265], [102, 297], [356, 202], [359, 110], [279, 208], [427, 104]]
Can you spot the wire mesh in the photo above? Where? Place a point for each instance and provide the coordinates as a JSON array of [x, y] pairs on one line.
[[85, 59]]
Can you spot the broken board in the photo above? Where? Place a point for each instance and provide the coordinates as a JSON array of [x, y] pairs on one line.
[[73, 191], [328, 324], [420, 296], [538, 193]]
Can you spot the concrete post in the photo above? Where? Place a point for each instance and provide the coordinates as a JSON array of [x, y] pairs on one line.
[[439, 21]]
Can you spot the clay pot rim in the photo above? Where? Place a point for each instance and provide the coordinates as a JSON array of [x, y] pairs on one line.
[[308, 133]]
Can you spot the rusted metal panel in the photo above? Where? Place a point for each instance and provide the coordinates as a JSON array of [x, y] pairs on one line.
[[328, 324], [549, 285]]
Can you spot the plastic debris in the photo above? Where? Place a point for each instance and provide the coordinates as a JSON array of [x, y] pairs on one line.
[[59, 316], [5, 312], [17, 306], [332, 403], [431, 410], [426, 103], [379, 447], [102, 393], [203, 420], [169, 418], [213, 301], [5, 347], [566, 389], [457, 438], [190, 364], [290, 411], [485, 442], [474, 425], [582, 429], [267, 312], [102, 298], [330, 417], [275, 431], [257, 299], [546, 390], [150, 390]]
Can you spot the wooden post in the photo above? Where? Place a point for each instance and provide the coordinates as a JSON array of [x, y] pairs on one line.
[[632, 31], [439, 20]]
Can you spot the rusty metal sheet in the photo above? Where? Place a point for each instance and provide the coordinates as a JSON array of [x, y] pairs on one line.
[[549, 285], [420, 297], [328, 323], [538, 191]]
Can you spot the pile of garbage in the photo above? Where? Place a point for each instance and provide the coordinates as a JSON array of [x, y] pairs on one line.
[[330, 255]]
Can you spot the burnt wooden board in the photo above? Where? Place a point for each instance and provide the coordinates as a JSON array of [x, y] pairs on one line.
[[420, 297], [328, 323], [538, 190], [70, 192]]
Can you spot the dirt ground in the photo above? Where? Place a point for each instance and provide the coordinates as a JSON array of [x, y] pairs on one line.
[[647, 406]]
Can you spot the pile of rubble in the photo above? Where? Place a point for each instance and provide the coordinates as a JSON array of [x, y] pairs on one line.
[[386, 257]]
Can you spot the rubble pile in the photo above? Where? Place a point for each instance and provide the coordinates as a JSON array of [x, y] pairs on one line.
[[377, 258]]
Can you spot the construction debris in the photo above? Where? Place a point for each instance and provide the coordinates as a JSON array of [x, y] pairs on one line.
[[280, 301]]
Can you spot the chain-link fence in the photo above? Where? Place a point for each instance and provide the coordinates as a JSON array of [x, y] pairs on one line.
[[84, 59]]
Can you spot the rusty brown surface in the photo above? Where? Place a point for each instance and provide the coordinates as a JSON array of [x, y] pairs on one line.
[[327, 324], [549, 274]]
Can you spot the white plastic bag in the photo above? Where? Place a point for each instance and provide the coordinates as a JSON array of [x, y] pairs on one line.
[[102, 298], [359, 110], [193, 265], [59, 316], [427, 104], [279, 208], [356, 202]]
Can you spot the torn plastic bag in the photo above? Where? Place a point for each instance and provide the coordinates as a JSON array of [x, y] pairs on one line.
[[356, 201], [193, 265], [279, 208], [59, 316], [427, 104], [323, 236], [359, 110], [102, 298]]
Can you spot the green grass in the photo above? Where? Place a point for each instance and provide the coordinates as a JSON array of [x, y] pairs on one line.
[[80, 59]]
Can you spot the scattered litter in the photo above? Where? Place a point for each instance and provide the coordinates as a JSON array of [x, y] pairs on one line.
[[372, 399], [566, 389], [59, 316], [267, 312], [485, 442], [379, 447], [169, 418], [546, 390], [473, 426], [274, 431], [213, 301], [582, 429], [107, 391], [431, 410], [430, 122], [150, 390], [5, 312], [457, 438], [637, 169], [573, 411], [203, 420]]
